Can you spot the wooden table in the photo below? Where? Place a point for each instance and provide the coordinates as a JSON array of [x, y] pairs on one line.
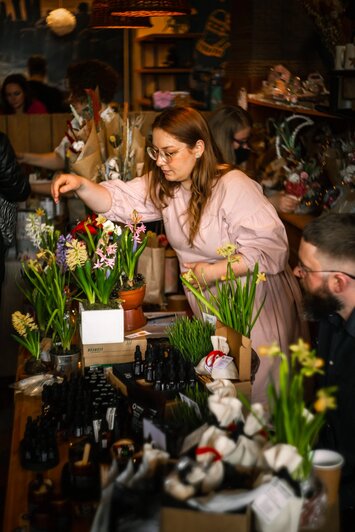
[[18, 477]]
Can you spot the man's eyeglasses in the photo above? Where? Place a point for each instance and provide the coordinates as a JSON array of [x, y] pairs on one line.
[[165, 156], [303, 270]]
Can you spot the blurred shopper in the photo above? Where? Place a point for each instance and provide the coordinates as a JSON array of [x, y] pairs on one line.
[[231, 127], [14, 187], [17, 99], [83, 75], [52, 97]]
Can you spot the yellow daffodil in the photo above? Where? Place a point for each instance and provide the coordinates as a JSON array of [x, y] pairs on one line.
[[40, 211], [189, 276], [261, 278], [100, 220], [324, 401], [270, 350], [227, 250]]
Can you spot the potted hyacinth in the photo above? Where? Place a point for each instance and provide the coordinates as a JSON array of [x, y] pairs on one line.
[[28, 336], [131, 288], [92, 255]]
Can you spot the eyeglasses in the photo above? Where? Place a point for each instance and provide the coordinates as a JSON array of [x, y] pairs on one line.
[[303, 270], [241, 142], [165, 156]]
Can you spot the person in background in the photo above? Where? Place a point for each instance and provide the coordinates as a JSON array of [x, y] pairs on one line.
[[326, 271], [204, 205], [14, 187], [231, 127], [16, 97], [83, 75], [51, 97]]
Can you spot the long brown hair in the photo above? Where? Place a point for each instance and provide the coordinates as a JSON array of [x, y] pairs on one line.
[[187, 126], [224, 122]]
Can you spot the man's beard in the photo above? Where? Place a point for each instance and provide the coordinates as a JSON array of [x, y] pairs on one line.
[[320, 305]]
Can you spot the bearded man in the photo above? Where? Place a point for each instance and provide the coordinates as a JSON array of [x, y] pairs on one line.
[[326, 271]]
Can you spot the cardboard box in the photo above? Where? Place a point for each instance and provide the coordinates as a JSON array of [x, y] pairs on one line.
[[181, 519], [103, 326], [115, 353]]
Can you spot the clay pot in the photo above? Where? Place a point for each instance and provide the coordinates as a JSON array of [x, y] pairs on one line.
[[132, 301]]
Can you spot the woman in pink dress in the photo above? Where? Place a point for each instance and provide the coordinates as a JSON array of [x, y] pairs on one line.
[[17, 99], [205, 204]]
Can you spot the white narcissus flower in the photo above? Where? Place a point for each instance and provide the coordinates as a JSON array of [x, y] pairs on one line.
[[78, 145], [108, 226], [293, 178]]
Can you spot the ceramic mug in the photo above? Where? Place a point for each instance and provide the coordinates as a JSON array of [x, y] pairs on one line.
[[327, 466], [349, 56], [339, 57]]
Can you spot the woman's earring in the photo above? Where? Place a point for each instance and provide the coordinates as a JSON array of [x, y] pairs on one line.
[[197, 155]]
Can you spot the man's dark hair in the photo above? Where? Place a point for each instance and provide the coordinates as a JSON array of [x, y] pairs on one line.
[[89, 75], [333, 234], [37, 64]]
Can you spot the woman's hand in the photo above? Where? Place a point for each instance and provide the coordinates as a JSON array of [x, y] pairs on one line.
[[64, 183], [284, 202], [205, 272]]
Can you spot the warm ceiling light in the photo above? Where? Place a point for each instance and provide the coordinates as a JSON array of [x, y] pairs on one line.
[[149, 8], [61, 21]]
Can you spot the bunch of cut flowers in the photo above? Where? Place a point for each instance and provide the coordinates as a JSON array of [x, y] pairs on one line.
[[125, 146]]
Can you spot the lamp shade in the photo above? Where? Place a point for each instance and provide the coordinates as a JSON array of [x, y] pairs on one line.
[[61, 21], [102, 19], [149, 8]]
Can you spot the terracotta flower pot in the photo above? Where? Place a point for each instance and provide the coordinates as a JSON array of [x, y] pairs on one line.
[[132, 306]]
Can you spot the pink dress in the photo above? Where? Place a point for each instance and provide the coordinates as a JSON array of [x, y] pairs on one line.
[[238, 213]]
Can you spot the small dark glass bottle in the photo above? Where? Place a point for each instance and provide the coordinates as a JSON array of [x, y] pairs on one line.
[[138, 363]]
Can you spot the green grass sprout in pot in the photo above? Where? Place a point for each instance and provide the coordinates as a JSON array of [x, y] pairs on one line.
[[192, 337]]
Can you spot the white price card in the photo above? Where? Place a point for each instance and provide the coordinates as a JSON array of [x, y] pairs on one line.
[[209, 318], [272, 501]]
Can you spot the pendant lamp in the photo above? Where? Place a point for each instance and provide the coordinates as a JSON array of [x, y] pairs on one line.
[[102, 19], [149, 8], [61, 21]]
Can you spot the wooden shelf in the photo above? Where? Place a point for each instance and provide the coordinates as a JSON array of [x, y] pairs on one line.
[[163, 70], [260, 100], [168, 37]]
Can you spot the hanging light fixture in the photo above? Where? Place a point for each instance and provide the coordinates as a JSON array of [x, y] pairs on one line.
[[101, 18], [61, 21], [149, 8]]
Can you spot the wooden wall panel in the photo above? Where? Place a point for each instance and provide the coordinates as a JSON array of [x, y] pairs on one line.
[[3, 124], [59, 126], [39, 133], [18, 132]]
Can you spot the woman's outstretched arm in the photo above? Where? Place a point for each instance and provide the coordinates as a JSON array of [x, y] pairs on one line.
[[97, 198]]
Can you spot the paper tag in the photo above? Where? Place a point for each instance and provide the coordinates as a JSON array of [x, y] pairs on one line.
[[193, 439], [270, 504], [209, 318], [222, 362], [138, 334], [155, 435], [192, 404]]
